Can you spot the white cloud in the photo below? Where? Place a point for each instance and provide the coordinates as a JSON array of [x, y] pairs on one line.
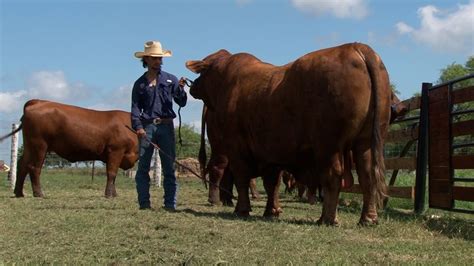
[[403, 28], [121, 98], [52, 85], [12, 101], [451, 31], [339, 8]]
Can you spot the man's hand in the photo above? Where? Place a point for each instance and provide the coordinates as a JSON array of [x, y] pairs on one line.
[[141, 133], [182, 82]]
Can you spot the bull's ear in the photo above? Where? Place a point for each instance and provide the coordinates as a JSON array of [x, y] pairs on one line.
[[197, 66]]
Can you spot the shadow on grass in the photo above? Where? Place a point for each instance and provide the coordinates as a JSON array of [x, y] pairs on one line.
[[233, 217], [451, 227]]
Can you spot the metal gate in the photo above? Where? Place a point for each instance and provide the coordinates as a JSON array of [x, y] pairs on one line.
[[447, 117]]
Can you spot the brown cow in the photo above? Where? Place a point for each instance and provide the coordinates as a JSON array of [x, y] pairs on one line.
[[304, 115], [76, 134]]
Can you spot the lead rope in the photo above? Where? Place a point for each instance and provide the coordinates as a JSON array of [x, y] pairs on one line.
[[182, 165], [180, 140]]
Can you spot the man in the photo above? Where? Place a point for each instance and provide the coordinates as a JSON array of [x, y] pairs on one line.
[[152, 117]]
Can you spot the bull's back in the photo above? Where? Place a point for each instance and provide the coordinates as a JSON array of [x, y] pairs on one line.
[[335, 90], [324, 97]]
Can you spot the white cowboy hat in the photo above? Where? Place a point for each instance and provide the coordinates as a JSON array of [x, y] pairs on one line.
[[153, 48]]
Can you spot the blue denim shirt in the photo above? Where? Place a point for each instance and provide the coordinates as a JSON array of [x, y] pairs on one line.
[[150, 102]]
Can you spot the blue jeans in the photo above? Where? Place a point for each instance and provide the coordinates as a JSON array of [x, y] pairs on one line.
[[163, 136]]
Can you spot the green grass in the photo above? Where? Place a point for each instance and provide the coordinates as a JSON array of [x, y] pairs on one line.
[[74, 224]]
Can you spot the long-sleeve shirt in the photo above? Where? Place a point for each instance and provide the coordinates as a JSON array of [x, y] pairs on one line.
[[155, 101]]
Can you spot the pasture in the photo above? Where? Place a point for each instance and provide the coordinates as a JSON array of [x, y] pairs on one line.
[[75, 224]]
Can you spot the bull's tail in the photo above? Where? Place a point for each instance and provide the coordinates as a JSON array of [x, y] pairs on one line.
[[11, 133], [373, 64], [202, 157]]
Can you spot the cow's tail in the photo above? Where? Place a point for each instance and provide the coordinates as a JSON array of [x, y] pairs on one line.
[[27, 104], [373, 63], [202, 157], [11, 133]]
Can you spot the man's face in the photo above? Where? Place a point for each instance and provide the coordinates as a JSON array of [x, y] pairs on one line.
[[154, 62]]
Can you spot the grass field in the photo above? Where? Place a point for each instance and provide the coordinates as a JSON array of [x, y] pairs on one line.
[[75, 224]]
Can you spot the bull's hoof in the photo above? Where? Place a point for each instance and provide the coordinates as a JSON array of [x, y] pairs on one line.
[[228, 203], [274, 212], [213, 202], [312, 200], [38, 194], [242, 213], [328, 222], [255, 196], [19, 193], [366, 221], [110, 194]]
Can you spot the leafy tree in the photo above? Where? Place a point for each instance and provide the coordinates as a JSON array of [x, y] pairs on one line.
[[394, 88], [191, 141], [52, 160], [470, 64], [454, 71], [55, 161]]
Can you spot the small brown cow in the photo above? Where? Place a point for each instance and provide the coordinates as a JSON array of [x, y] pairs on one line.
[[76, 134]]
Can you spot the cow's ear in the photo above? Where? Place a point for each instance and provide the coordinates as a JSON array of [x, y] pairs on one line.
[[197, 66]]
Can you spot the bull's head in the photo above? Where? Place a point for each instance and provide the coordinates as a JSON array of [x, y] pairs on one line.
[[210, 79], [398, 109]]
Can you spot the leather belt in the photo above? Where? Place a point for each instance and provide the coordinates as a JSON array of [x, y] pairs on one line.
[[158, 121]]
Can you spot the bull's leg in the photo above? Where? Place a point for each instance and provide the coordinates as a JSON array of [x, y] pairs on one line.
[[271, 182], [226, 187], [34, 159], [112, 168], [243, 208], [217, 166], [311, 195], [363, 160], [253, 189], [301, 189], [331, 177], [20, 179], [348, 179], [35, 173], [242, 176], [320, 193]]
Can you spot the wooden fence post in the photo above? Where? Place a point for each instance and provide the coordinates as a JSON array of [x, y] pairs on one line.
[[422, 151], [14, 157], [93, 171]]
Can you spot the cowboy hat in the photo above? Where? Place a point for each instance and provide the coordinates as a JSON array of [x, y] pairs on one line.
[[153, 48]]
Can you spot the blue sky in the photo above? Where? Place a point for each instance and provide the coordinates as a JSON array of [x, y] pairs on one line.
[[81, 51]]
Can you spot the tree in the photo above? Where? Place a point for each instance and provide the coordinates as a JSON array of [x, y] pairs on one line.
[[454, 71], [191, 142], [470, 64], [394, 88]]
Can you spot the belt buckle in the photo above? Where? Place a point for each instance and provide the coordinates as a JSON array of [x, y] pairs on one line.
[[157, 121]]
